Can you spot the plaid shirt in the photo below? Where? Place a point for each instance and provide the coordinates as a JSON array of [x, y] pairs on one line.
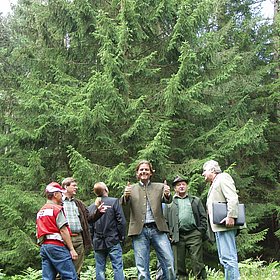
[[72, 214]]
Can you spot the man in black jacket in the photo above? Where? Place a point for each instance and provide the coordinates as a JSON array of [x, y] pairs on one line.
[[108, 232], [187, 222]]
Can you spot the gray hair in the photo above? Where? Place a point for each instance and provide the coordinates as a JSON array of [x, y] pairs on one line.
[[213, 166]]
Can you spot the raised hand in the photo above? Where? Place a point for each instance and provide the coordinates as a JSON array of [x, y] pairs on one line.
[[166, 190], [98, 201], [102, 208], [127, 190]]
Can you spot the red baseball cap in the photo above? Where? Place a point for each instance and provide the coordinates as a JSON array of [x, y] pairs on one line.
[[54, 187]]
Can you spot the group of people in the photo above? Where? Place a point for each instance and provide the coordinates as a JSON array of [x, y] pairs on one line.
[[175, 226]]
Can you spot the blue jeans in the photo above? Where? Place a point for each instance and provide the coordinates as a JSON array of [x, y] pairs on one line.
[[141, 245], [115, 254], [228, 253], [57, 259]]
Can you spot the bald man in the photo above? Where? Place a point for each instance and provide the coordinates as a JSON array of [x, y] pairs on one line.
[[108, 232]]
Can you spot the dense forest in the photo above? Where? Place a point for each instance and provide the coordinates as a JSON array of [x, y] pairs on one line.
[[89, 87]]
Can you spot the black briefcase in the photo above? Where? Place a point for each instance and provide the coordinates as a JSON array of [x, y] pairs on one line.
[[220, 212]]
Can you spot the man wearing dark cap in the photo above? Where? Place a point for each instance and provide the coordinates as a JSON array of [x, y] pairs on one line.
[[187, 222], [53, 234]]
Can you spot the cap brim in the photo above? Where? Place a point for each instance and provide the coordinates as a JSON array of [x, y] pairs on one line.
[[175, 183]]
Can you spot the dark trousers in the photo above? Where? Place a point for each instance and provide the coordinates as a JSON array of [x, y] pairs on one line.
[[189, 246]]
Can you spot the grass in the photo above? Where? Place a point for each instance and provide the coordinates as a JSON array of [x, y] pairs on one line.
[[249, 270]]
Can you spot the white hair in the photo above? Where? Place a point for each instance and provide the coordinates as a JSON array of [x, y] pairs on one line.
[[213, 166]]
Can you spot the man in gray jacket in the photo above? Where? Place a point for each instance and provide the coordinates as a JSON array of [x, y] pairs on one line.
[[147, 225], [187, 222]]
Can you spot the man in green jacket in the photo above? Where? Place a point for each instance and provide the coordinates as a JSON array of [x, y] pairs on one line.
[[187, 222]]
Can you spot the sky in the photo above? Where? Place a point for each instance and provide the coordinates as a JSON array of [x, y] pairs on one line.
[[267, 7], [5, 5]]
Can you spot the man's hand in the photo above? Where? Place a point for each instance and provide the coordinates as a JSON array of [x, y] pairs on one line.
[[229, 222], [73, 254], [67, 240], [127, 190], [98, 201], [102, 208], [166, 190]]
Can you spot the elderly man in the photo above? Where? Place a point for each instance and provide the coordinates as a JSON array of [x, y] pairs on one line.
[[53, 234], [147, 225], [187, 222], [223, 189], [77, 217]]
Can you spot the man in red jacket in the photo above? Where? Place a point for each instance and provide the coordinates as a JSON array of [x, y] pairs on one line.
[[53, 234]]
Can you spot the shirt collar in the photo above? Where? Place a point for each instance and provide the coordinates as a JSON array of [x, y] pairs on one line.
[[216, 176], [177, 196], [67, 198], [142, 184]]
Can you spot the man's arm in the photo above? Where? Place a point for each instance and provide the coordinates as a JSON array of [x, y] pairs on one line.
[[167, 214], [67, 240], [230, 193], [166, 196], [202, 215], [96, 212], [121, 222], [125, 198]]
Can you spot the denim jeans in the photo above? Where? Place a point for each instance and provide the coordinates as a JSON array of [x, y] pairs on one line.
[[141, 245], [228, 253], [57, 259], [115, 254]]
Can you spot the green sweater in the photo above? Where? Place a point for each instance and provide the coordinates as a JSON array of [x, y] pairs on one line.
[[171, 213]]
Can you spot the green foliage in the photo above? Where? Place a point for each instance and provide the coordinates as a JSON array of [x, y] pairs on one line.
[[18, 210], [248, 243], [250, 270], [28, 274], [256, 269]]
